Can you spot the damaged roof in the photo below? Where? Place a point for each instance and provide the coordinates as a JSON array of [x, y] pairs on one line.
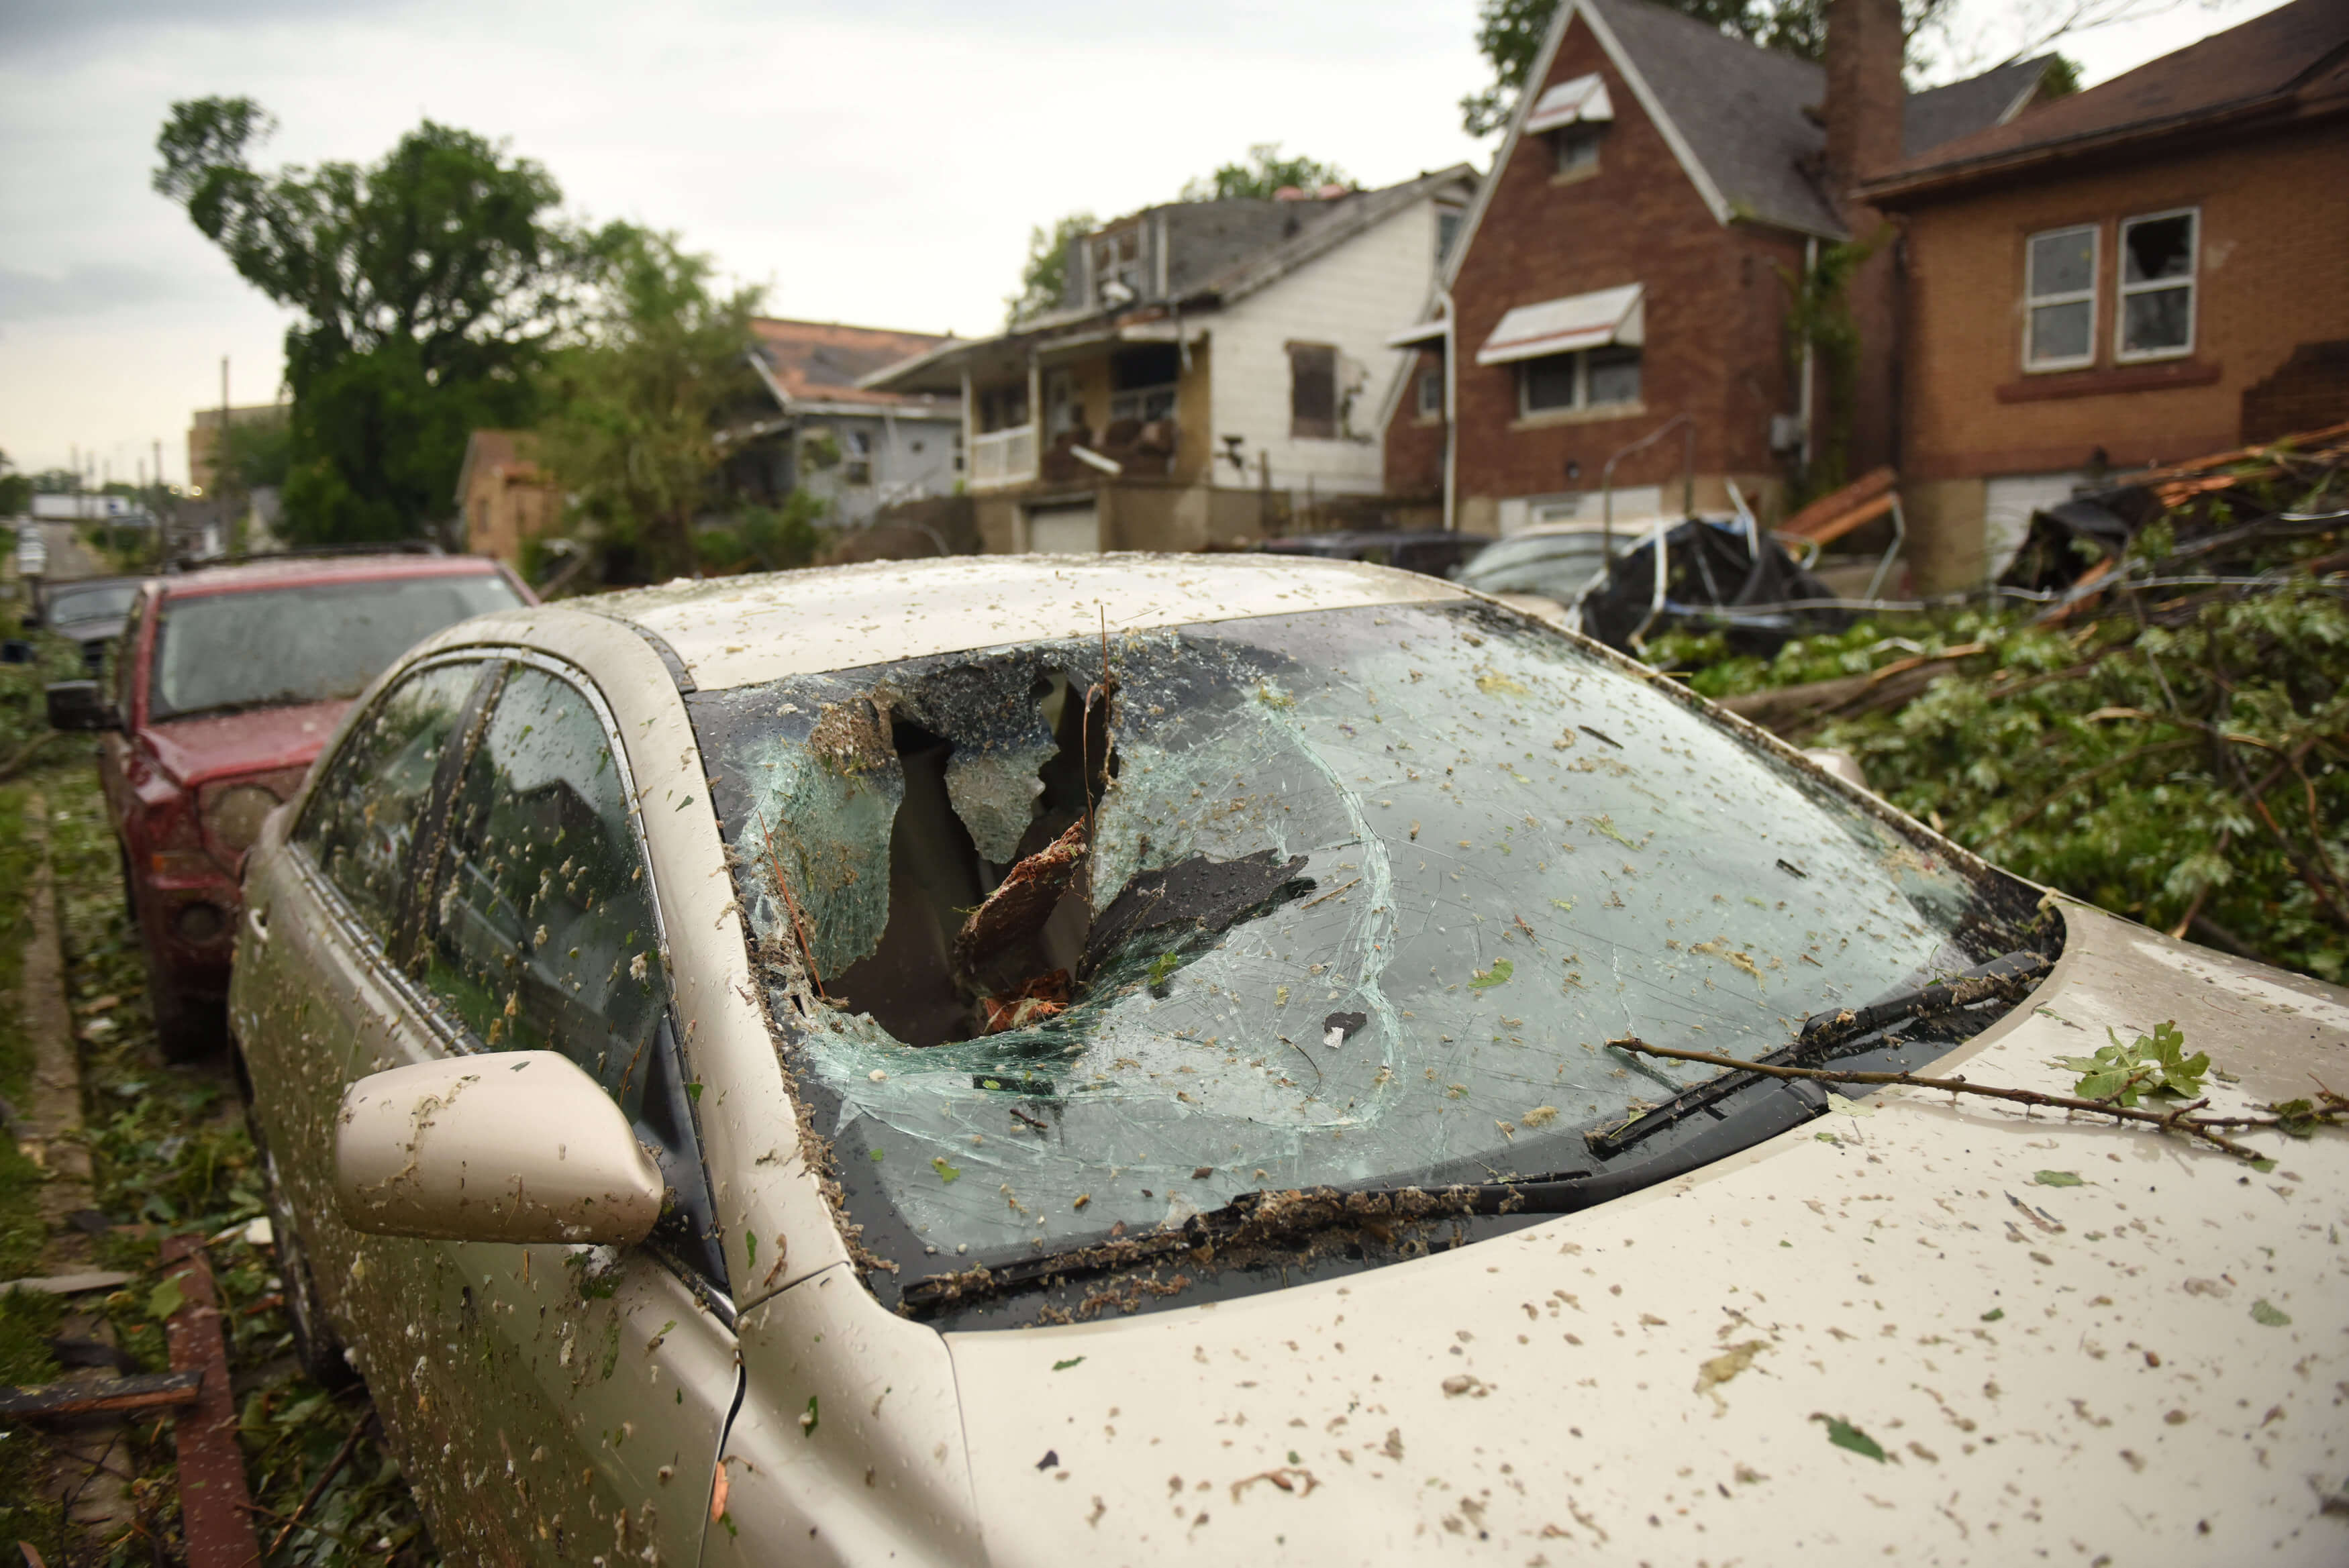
[[1746, 117], [2291, 63], [739, 631], [824, 362]]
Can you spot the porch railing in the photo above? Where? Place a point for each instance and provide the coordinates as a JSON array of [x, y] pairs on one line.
[[1003, 457]]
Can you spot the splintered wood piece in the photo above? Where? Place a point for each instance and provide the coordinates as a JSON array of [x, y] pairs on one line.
[[1021, 903], [142, 1392], [214, 1500]]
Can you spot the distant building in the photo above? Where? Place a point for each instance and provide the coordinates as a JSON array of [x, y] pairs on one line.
[[503, 495], [2152, 270], [1213, 368], [1625, 270], [204, 439], [854, 448]]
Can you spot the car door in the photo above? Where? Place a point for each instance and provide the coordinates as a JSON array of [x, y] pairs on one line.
[[115, 750], [593, 1382]]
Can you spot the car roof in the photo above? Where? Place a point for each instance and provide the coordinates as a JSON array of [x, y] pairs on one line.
[[298, 571], [742, 631]]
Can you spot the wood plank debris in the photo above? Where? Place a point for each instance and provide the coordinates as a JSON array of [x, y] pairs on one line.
[[67, 1283], [214, 1504], [144, 1391]]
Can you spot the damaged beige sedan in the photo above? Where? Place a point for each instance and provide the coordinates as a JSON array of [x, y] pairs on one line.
[[1035, 1061]]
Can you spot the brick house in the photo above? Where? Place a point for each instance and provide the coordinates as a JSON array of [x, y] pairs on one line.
[[2152, 270], [503, 495], [1626, 267], [1213, 370]]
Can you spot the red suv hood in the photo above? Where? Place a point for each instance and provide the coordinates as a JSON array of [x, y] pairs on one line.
[[197, 750]]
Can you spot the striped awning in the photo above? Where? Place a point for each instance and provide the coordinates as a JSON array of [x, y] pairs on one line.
[[1569, 103], [1563, 326]]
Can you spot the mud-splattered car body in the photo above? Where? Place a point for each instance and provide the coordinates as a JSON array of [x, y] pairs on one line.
[[1230, 1230]]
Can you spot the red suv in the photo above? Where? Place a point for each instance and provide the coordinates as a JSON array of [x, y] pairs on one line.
[[227, 682]]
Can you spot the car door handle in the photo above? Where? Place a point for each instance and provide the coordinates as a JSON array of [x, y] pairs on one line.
[[258, 919]]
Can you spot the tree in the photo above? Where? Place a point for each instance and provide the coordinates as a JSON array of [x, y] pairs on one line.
[[631, 434], [1046, 272], [1264, 175], [16, 490], [429, 286]]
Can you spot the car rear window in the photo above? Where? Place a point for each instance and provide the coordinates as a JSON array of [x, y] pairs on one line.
[[1352, 898], [272, 647]]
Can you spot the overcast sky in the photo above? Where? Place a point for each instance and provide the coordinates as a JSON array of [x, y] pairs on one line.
[[879, 162]]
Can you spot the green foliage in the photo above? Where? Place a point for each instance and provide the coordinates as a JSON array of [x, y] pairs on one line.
[[1499, 974], [255, 453], [2061, 78], [1045, 273], [1510, 35], [2150, 1065], [634, 409], [428, 285], [1819, 317], [16, 490], [1263, 176], [763, 538], [1844, 1435]]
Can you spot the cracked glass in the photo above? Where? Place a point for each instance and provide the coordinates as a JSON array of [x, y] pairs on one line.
[[1057, 952]]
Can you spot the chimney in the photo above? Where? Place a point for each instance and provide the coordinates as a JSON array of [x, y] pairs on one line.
[[1864, 94]]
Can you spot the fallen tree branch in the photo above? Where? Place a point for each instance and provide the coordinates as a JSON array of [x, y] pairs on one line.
[[2201, 1127]]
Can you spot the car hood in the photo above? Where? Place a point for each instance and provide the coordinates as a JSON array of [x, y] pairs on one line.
[[197, 750], [1954, 1331], [90, 628]]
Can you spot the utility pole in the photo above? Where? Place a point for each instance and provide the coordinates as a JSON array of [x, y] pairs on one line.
[[156, 507]]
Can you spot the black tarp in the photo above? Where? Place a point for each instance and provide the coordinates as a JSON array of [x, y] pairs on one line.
[[1712, 581]]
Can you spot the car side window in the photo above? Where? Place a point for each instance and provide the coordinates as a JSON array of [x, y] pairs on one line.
[[542, 935], [370, 798], [120, 658]]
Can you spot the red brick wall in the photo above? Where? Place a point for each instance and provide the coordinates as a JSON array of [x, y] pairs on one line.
[[2274, 276], [1715, 307], [1415, 445]]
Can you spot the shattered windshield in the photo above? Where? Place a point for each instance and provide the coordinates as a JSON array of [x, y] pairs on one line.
[[1350, 898]]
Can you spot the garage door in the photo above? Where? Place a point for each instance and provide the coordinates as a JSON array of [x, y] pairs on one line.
[[1064, 529]]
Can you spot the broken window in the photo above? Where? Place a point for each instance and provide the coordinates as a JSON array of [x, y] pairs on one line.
[[1312, 391], [369, 800], [1067, 940], [2059, 299], [1143, 386], [2157, 285]]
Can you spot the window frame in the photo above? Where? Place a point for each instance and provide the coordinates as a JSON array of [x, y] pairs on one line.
[[2124, 289], [1582, 403], [1430, 379], [1302, 427], [1571, 138], [2034, 303]]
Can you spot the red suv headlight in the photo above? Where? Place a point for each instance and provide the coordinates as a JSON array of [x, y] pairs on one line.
[[233, 815]]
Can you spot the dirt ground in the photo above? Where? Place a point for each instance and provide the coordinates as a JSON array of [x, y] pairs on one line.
[[112, 1151]]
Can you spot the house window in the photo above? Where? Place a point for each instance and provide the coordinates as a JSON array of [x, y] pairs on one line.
[[2156, 313], [2059, 299], [1431, 394], [1117, 266], [857, 446], [1447, 229], [1594, 379], [1141, 383], [1312, 392], [1577, 147]]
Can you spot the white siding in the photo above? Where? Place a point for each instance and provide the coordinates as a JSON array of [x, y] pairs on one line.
[[1351, 297]]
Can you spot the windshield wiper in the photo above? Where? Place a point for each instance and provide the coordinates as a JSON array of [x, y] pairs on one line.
[[1277, 1220], [2009, 978]]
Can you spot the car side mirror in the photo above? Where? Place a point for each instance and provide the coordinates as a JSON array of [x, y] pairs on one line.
[[508, 1146], [77, 704]]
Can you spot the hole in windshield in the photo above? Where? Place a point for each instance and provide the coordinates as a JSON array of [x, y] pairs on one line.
[[1071, 943]]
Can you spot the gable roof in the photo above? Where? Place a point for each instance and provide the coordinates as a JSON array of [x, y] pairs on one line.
[[1340, 220], [2294, 58], [1741, 118], [822, 362]]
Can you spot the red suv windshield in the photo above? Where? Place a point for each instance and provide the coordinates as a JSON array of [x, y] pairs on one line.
[[225, 653]]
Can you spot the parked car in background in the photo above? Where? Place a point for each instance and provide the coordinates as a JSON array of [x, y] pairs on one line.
[[863, 1065], [89, 611], [1433, 552], [227, 680], [1545, 569]]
